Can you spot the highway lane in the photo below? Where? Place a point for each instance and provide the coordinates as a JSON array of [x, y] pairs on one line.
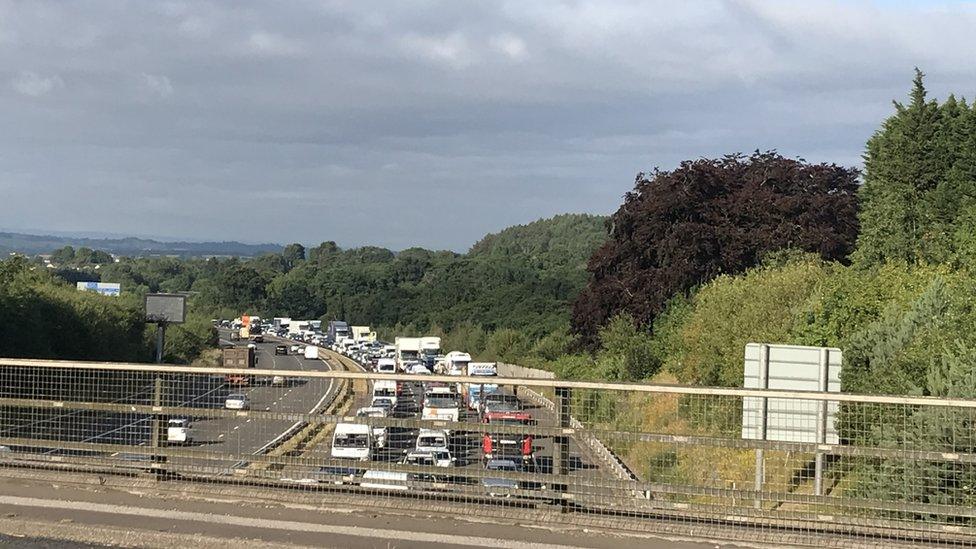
[[244, 435]]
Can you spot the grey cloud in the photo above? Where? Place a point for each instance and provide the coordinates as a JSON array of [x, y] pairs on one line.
[[428, 122]]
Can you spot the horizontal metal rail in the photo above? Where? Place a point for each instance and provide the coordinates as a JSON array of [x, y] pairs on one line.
[[526, 382]]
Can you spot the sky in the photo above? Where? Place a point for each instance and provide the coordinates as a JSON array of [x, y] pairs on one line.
[[428, 123]]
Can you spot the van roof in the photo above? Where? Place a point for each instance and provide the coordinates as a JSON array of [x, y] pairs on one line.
[[353, 428], [432, 432]]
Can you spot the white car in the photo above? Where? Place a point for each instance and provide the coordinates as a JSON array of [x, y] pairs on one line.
[[277, 381], [236, 401], [178, 431], [439, 458], [295, 349], [418, 369]]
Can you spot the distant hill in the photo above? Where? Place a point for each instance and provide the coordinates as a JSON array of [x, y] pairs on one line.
[[562, 241], [43, 244]]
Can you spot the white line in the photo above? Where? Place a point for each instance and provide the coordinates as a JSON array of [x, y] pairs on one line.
[[287, 525]]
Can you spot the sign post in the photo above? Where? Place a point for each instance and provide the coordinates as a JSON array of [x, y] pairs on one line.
[[792, 368], [162, 309]]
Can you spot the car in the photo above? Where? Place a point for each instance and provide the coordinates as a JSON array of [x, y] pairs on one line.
[[281, 350], [295, 348], [387, 403], [258, 338], [500, 402], [237, 401], [338, 474], [438, 458], [278, 381], [495, 483], [178, 431]]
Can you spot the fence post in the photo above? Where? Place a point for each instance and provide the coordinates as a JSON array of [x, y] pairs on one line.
[[760, 454], [561, 453], [821, 423]]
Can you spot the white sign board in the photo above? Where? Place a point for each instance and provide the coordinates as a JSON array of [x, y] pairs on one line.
[[104, 288], [792, 368]]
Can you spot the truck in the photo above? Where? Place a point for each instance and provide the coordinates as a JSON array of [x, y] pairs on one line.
[[238, 358], [281, 322], [362, 334], [441, 403], [430, 350], [456, 363], [311, 352], [474, 392], [337, 329], [407, 350]]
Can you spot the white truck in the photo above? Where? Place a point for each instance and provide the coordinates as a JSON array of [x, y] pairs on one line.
[[407, 350], [430, 350], [456, 363], [362, 334], [352, 441], [311, 352], [441, 403]]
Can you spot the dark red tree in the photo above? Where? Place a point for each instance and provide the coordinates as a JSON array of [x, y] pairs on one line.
[[681, 228]]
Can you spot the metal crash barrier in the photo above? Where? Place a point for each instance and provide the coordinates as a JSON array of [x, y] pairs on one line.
[[652, 457]]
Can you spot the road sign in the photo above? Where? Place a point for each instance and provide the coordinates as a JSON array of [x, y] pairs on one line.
[[794, 368], [105, 288], [166, 308]]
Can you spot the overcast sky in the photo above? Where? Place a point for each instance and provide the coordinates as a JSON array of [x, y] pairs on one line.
[[427, 123]]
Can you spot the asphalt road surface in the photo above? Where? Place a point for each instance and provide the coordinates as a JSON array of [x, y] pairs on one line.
[[34, 513]]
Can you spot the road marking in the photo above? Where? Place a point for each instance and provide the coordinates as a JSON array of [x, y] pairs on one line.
[[272, 524]]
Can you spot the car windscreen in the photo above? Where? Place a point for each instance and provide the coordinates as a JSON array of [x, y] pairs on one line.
[[429, 441], [441, 402], [351, 441]]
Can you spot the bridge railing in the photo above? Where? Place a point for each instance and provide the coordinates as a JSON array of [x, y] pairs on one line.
[[871, 467]]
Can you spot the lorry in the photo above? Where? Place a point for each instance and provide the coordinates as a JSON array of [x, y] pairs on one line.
[[361, 334], [474, 392], [407, 351], [311, 352], [239, 358], [430, 350], [281, 322], [337, 329], [441, 403], [456, 363]]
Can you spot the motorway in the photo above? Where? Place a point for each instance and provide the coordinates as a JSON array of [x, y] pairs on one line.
[[465, 447], [218, 436]]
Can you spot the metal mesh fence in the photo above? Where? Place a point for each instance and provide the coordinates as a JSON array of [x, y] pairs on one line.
[[901, 469]]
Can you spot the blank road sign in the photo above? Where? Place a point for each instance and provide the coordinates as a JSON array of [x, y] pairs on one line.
[[168, 308], [792, 368]]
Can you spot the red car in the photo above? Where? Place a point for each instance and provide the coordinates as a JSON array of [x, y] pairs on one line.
[[496, 445]]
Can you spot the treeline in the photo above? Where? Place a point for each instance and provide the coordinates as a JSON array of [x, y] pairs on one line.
[[45, 317], [523, 278]]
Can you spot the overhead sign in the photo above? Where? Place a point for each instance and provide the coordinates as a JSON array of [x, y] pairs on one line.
[[792, 368], [104, 288], [166, 308]]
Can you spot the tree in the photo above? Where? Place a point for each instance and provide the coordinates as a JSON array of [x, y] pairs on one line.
[[919, 195], [679, 229], [292, 254]]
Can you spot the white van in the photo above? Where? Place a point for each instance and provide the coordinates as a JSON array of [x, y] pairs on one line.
[[352, 441], [311, 352], [386, 366], [432, 440], [385, 388]]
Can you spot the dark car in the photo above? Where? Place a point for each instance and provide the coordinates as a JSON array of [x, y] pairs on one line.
[[281, 349]]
